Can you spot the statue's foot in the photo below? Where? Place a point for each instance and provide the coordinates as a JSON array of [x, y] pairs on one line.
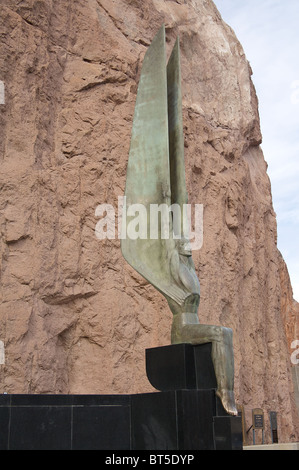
[[228, 401]]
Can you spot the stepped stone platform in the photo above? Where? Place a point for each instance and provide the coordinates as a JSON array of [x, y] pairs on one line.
[[180, 416]]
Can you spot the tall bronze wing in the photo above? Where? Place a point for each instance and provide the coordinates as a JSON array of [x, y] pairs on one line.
[[176, 137], [150, 171]]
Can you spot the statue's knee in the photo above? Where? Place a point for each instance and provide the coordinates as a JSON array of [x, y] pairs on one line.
[[228, 336], [228, 332], [224, 335]]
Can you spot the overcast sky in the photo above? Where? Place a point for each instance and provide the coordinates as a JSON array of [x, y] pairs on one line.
[[269, 33]]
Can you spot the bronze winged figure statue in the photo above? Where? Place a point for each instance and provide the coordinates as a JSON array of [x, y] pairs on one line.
[[155, 177]]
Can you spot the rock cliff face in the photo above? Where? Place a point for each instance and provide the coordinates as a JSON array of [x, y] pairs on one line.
[[75, 318]]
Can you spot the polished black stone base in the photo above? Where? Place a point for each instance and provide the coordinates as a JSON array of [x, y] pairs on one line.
[[173, 420], [65, 422], [180, 367], [185, 415], [183, 420]]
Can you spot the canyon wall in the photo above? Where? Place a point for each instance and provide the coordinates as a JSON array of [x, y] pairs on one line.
[[75, 318]]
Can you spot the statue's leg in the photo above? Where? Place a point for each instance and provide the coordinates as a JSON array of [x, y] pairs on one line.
[[187, 329]]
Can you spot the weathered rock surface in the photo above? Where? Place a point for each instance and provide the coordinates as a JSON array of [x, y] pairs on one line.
[[75, 318]]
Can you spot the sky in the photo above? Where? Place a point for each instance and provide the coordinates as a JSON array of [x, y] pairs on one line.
[[269, 33]]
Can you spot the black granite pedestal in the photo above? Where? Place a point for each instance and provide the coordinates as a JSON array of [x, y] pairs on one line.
[[184, 414], [65, 422], [185, 376], [183, 420], [180, 367]]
